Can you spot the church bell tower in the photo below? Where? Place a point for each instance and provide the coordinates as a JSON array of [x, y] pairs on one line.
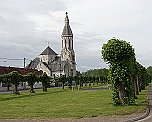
[[67, 52]]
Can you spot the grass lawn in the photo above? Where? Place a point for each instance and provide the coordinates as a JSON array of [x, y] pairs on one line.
[[58, 103]]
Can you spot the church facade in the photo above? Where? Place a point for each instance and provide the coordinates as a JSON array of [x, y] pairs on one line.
[[56, 65]]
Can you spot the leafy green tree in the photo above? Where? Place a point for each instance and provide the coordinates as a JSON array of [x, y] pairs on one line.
[[81, 81], [15, 79], [1, 79], [44, 78], [62, 79], [120, 55], [96, 72], [149, 70], [143, 78], [135, 77], [76, 79], [31, 78], [69, 80], [90, 81], [97, 80], [56, 80], [6, 80]]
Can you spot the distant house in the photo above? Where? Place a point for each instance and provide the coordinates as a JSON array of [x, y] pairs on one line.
[[53, 64]]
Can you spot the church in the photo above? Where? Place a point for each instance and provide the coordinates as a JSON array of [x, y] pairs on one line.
[[56, 65]]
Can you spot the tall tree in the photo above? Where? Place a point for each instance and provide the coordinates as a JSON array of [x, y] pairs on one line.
[[120, 55], [62, 79], [31, 78], [7, 80], [135, 77], [15, 79], [44, 78], [69, 80]]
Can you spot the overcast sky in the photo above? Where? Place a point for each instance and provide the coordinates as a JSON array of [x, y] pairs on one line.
[[26, 27]]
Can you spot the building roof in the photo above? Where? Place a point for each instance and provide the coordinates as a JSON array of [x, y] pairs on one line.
[[23, 71], [33, 64], [48, 51], [67, 30]]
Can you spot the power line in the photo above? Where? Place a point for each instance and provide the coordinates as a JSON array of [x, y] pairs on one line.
[[15, 59]]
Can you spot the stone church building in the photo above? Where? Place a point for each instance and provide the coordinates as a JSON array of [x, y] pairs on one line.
[[53, 64]]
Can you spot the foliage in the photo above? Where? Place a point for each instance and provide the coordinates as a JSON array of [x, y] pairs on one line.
[[62, 79], [44, 78], [15, 79], [120, 55], [69, 79], [31, 78], [149, 71], [96, 72]]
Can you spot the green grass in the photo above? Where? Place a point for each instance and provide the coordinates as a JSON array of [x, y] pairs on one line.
[[58, 103]]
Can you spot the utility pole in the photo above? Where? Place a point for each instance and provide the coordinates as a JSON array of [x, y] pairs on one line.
[[24, 62], [24, 83]]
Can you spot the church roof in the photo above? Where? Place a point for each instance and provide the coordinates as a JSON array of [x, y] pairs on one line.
[[33, 64], [48, 51], [67, 30]]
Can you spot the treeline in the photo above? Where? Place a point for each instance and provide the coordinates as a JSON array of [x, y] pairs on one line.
[[96, 72], [149, 70], [79, 81], [126, 75], [15, 78]]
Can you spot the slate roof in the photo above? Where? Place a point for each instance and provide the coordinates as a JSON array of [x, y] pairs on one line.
[[48, 51], [67, 30], [54, 66], [33, 63]]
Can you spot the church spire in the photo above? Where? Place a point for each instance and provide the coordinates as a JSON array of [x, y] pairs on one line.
[[67, 52], [67, 30], [66, 18]]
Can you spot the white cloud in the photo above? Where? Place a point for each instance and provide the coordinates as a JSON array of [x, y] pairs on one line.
[[30, 24]]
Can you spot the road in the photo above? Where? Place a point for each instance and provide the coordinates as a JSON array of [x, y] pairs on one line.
[[149, 117]]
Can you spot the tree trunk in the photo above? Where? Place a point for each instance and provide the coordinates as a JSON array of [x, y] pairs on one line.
[[89, 83], [32, 90], [136, 86], [80, 84], [44, 88], [93, 83], [76, 84], [134, 82], [122, 94], [85, 83], [99, 80], [24, 85], [8, 86], [62, 85], [16, 90]]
